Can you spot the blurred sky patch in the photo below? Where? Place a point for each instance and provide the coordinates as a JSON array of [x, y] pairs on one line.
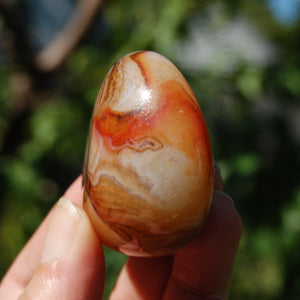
[[286, 11]]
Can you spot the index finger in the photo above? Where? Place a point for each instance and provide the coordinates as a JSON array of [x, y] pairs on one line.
[[20, 273], [204, 267]]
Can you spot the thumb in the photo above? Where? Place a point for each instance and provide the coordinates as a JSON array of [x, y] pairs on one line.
[[72, 263]]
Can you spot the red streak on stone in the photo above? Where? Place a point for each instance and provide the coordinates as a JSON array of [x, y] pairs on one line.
[[181, 107], [186, 118], [122, 127], [175, 114]]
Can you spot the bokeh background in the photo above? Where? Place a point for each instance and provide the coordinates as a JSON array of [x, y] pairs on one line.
[[242, 59]]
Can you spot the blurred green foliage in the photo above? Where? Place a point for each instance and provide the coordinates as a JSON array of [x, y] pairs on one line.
[[252, 111]]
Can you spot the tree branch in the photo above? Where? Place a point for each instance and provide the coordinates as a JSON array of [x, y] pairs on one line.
[[58, 50], [53, 55]]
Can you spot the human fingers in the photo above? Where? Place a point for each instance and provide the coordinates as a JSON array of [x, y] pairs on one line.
[[218, 182], [72, 263], [75, 191], [200, 270], [22, 269], [147, 278], [205, 266], [143, 278]]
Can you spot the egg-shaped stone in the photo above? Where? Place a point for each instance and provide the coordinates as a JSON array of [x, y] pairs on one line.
[[148, 173]]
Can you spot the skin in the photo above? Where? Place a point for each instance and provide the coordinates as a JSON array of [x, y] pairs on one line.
[[64, 259]]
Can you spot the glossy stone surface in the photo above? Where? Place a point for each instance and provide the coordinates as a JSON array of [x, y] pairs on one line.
[[148, 174]]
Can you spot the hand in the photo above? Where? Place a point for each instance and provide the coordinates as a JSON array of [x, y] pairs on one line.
[[64, 259]]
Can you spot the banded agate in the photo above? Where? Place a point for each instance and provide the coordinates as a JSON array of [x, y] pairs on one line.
[[148, 173]]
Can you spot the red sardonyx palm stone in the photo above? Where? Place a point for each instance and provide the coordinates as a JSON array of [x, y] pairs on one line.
[[148, 174]]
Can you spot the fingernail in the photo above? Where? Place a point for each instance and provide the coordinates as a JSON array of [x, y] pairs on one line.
[[61, 230], [218, 182], [221, 193]]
